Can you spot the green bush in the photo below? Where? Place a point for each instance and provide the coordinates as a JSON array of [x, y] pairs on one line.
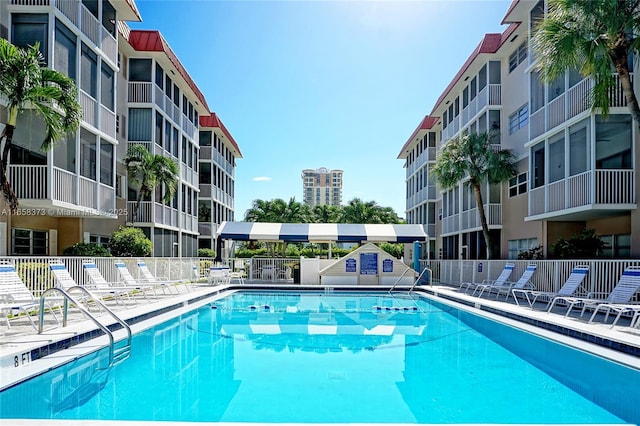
[[585, 245], [205, 252], [128, 241], [535, 253], [86, 249]]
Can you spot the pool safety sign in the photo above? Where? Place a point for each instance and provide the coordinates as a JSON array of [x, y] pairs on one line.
[[350, 265], [387, 265], [368, 263]]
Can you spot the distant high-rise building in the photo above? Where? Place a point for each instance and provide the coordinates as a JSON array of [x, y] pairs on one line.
[[322, 186]]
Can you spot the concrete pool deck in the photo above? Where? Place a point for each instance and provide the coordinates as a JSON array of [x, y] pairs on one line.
[[24, 353]]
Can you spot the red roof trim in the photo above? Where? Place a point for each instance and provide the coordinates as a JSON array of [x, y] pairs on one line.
[[214, 121], [489, 44], [427, 123], [152, 41]]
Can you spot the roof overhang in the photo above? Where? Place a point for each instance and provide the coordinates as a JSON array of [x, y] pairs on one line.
[[321, 232]]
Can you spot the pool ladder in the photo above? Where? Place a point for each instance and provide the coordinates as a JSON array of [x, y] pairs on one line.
[[116, 355], [415, 282]]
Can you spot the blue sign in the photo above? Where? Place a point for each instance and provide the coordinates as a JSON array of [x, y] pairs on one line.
[[350, 265], [387, 265], [368, 263], [479, 266]]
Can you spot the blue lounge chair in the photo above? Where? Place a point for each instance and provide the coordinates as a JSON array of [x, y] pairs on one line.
[[569, 288]]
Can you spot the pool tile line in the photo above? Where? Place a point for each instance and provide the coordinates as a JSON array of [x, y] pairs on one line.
[[612, 344]]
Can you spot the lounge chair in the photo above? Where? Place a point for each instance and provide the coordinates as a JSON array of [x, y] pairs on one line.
[[621, 294], [523, 283], [15, 296], [570, 286], [65, 281], [631, 282], [99, 283], [161, 282], [502, 278], [128, 279]]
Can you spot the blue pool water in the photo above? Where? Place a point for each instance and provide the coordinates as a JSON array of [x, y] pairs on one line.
[[285, 357]]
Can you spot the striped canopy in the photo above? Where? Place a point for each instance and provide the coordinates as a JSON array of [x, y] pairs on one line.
[[320, 232]]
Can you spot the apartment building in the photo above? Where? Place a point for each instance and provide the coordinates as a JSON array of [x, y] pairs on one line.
[[133, 90], [576, 168], [218, 154], [322, 186], [58, 189]]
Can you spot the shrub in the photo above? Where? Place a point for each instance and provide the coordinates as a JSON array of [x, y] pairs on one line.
[[128, 241], [535, 253], [205, 252], [86, 249], [585, 245]]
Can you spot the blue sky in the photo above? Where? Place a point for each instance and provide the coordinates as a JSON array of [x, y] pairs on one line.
[[309, 84]]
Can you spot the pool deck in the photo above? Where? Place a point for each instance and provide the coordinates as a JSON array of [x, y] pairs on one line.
[[25, 353]]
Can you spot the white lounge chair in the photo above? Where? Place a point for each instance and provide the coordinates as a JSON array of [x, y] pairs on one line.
[[621, 294], [629, 284], [161, 282], [569, 288], [99, 283], [502, 278], [65, 281], [15, 296], [523, 283]]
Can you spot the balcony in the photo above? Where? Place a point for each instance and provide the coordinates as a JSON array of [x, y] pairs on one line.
[[61, 192], [469, 220], [588, 195], [84, 20], [568, 105]]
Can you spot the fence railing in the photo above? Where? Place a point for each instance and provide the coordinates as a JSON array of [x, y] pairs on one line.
[[549, 276]]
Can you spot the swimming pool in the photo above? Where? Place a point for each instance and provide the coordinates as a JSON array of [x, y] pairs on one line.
[[335, 358]]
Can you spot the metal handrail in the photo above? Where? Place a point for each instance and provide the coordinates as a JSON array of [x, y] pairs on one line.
[[85, 311], [399, 278], [420, 276]]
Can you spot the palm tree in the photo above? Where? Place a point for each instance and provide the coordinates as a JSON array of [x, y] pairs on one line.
[[324, 213], [358, 211], [149, 171], [472, 155], [26, 84], [594, 37]]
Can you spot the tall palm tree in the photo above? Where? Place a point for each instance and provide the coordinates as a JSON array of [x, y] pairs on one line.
[[472, 155], [25, 83], [358, 211], [594, 37], [149, 171], [324, 213]]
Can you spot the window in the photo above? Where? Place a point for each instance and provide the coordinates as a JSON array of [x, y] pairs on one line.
[[556, 158], [107, 88], [185, 106], [578, 148], [537, 92], [518, 56], [64, 154], [31, 28], [184, 150], [204, 210], [139, 69], [159, 76], [167, 86], [158, 135], [538, 165], [109, 17], [613, 142], [64, 58], [519, 119], [618, 246], [175, 142], [176, 96], [92, 6], [518, 185], [205, 138], [140, 124], [106, 163], [205, 173], [29, 242], [100, 240], [87, 154], [89, 71], [518, 246]]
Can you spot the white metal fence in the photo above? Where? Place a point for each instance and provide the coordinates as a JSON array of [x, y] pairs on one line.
[[550, 274]]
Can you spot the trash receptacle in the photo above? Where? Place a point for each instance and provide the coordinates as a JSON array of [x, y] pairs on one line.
[[296, 274]]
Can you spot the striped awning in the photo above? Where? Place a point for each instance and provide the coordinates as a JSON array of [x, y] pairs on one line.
[[320, 232]]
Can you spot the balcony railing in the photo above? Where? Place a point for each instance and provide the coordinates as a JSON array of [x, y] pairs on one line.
[[140, 91], [143, 215], [595, 187], [89, 106], [31, 182]]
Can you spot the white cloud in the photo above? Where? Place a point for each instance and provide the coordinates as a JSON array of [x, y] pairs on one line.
[[261, 178]]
